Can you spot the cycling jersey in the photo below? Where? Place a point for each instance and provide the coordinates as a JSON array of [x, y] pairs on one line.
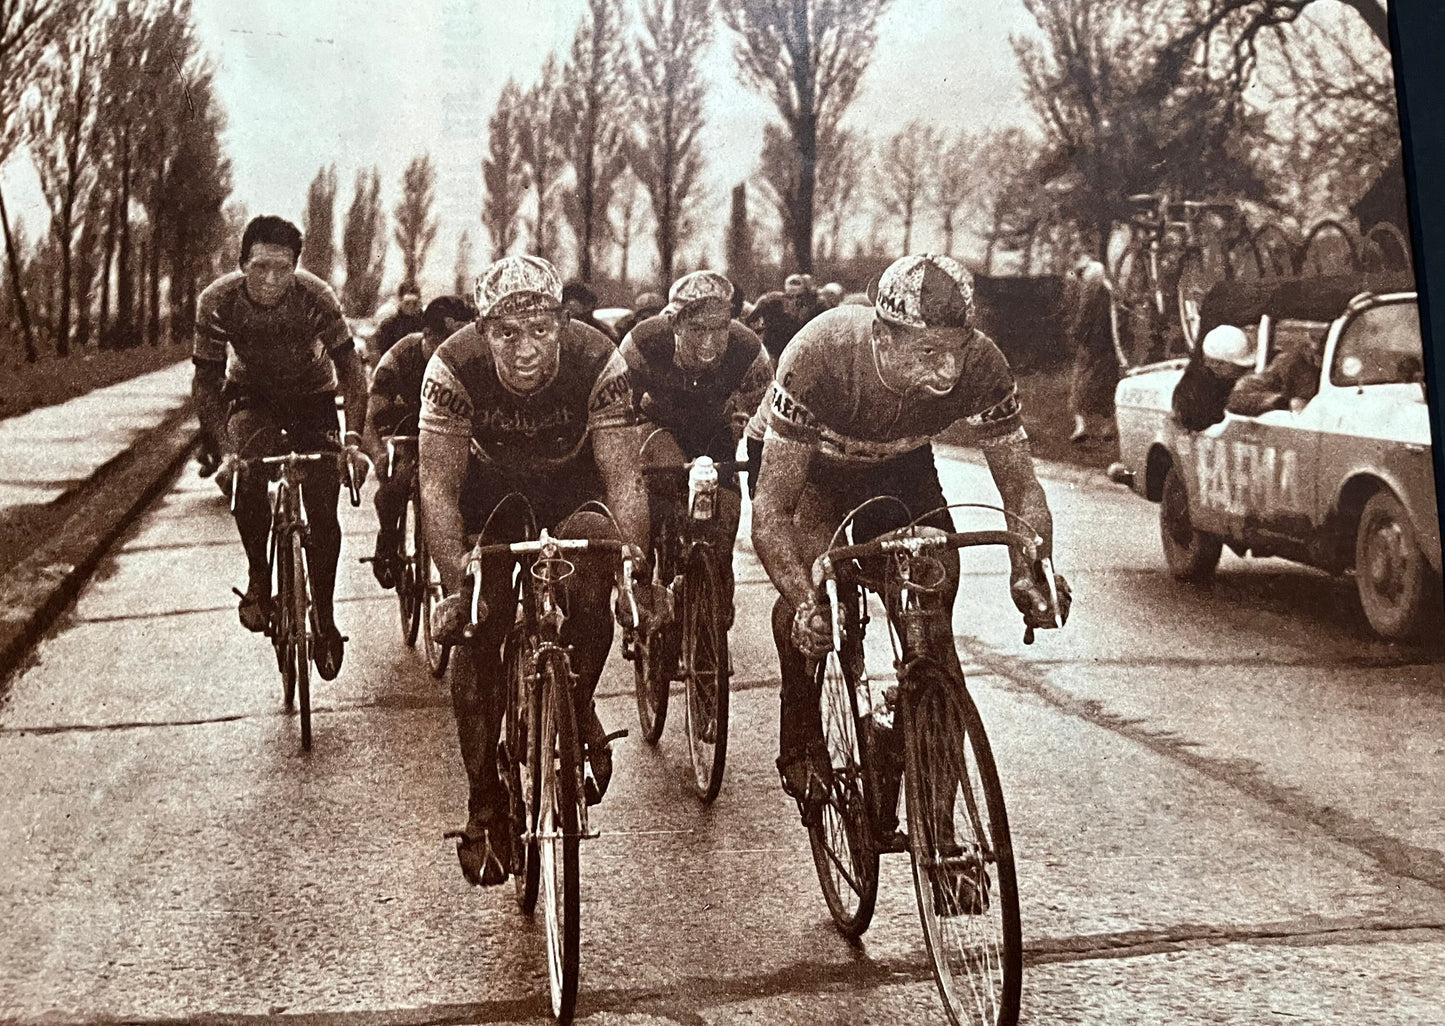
[[283, 351], [827, 395], [527, 436], [696, 409], [398, 379]]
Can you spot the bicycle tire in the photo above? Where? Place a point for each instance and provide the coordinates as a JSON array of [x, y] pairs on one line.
[[973, 936], [437, 654], [415, 570], [301, 650], [705, 672], [1315, 257], [1131, 305], [1200, 269], [844, 852], [518, 774], [651, 681], [559, 831], [281, 624]]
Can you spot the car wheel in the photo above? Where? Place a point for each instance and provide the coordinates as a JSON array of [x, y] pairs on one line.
[[1191, 555], [1390, 570]]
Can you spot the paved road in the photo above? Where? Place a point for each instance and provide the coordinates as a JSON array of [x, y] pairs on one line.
[[1226, 804]]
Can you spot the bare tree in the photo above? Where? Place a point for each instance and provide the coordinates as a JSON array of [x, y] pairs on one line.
[[841, 161], [62, 130], [538, 130], [27, 28], [504, 170], [594, 91], [318, 246], [363, 243], [905, 171], [954, 180], [630, 209], [416, 229], [462, 269], [668, 92], [808, 57]]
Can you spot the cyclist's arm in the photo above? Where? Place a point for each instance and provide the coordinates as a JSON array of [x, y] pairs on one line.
[[1012, 467], [351, 377], [616, 449], [206, 386], [442, 465], [378, 412], [781, 480]]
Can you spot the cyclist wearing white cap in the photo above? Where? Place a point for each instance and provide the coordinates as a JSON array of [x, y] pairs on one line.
[[543, 404], [693, 369], [857, 398]]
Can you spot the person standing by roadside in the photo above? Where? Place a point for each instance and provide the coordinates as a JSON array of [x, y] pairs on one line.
[[1096, 364]]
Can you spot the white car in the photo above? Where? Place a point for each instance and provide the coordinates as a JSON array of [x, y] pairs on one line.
[[1343, 481]]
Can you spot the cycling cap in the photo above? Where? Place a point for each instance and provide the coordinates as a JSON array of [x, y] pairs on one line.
[[697, 287], [518, 285], [795, 283], [1229, 344], [927, 291]]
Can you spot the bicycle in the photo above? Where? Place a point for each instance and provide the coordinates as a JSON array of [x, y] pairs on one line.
[[956, 825], [691, 647], [540, 757], [290, 626], [418, 584], [1185, 247]]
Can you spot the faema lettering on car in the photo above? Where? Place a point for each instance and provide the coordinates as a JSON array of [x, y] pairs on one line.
[[1242, 477]]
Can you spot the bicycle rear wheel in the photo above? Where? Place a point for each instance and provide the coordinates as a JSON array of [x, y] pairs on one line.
[[517, 769], [1202, 267], [963, 866], [300, 648], [844, 852], [437, 654], [651, 682], [705, 672], [559, 831]]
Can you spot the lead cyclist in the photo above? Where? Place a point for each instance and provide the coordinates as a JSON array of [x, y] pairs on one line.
[[857, 399]]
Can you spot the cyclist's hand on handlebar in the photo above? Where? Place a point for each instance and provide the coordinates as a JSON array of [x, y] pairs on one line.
[[1030, 595], [812, 632], [226, 473], [357, 463], [449, 620]]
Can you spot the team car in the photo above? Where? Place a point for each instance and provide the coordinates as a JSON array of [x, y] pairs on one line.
[[1340, 479]]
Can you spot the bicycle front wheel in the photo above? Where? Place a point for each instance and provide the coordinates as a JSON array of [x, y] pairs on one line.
[[559, 761], [300, 649], [844, 852], [437, 654], [409, 581], [1200, 270], [963, 865], [518, 768], [705, 672], [280, 628]]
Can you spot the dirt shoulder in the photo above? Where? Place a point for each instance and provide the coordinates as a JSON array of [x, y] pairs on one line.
[[52, 379]]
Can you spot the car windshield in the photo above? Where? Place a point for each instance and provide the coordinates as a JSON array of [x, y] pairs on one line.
[[1380, 345]]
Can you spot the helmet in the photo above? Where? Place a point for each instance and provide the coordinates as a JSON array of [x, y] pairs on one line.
[[1229, 344], [927, 291], [794, 284], [518, 285], [831, 294], [696, 288]]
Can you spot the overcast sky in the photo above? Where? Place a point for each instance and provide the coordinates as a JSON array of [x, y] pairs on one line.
[[312, 82]]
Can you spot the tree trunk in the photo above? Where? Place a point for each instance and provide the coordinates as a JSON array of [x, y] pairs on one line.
[[125, 296], [948, 235], [154, 328], [107, 262], [31, 353], [62, 329], [802, 213], [84, 280], [908, 231]]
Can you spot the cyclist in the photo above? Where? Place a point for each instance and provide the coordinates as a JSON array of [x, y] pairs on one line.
[[856, 400], [393, 409], [545, 405], [693, 369], [780, 315], [271, 349], [403, 321]]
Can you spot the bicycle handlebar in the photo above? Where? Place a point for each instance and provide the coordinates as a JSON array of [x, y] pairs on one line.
[[679, 471], [547, 545], [825, 566], [292, 459]]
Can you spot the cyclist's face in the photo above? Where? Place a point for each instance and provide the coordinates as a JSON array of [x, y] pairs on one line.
[[270, 270], [702, 335], [930, 359], [525, 348]]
